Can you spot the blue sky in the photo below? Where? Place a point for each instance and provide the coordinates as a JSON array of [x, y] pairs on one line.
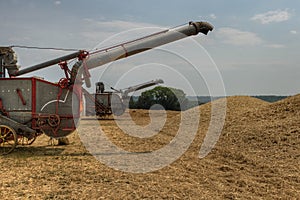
[[255, 44]]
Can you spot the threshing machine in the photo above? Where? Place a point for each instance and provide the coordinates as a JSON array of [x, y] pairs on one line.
[[30, 106], [105, 103]]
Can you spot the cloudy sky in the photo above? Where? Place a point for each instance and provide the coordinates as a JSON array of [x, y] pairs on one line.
[[254, 48]]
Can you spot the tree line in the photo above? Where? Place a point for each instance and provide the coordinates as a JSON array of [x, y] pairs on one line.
[[169, 98]]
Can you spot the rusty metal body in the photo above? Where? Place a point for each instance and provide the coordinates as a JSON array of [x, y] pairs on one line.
[[32, 106]]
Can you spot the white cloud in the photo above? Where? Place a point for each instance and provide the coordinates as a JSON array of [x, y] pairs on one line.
[[294, 32], [237, 37], [272, 16], [113, 32], [57, 3], [213, 16], [276, 46], [116, 25]]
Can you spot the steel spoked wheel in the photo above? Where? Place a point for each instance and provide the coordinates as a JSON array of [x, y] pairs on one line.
[[8, 139]]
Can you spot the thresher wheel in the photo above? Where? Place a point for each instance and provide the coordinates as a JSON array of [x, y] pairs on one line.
[[8, 139]]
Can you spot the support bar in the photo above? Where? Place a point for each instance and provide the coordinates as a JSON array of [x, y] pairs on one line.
[[47, 64]]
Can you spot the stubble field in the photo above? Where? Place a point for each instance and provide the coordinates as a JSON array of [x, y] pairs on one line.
[[256, 157]]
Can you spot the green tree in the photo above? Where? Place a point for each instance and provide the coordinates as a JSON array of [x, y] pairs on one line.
[[169, 98]]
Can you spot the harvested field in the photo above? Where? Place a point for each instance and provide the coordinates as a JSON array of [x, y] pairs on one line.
[[256, 157]]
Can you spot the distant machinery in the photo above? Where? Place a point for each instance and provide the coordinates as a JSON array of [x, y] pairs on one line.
[[107, 102]]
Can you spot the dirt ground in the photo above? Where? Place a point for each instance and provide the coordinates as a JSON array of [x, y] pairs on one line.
[[256, 157]]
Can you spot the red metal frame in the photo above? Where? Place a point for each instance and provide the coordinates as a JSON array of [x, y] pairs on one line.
[[35, 115], [19, 92], [33, 100]]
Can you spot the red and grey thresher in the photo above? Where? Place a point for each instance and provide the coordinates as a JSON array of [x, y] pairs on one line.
[[31, 106]]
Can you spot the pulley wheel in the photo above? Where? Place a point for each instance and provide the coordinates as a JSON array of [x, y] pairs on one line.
[[54, 120]]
